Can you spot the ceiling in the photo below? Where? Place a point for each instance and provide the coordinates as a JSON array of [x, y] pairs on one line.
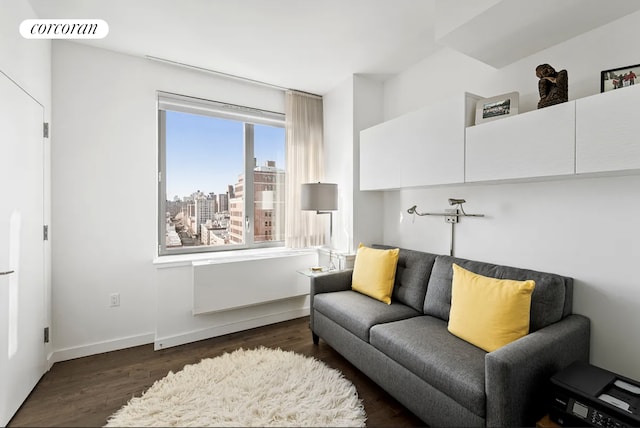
[[314, 45], [300, 44]]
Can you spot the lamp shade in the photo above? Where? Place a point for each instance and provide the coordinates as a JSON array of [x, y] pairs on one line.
[[319, 197]]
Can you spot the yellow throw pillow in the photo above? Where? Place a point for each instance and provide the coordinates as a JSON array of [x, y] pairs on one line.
[[489, 312], [374, 272]]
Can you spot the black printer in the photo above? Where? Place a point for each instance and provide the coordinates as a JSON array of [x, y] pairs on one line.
[[585, 395]]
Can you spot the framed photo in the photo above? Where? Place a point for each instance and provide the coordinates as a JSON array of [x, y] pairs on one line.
[[497, 107], [617, 78]]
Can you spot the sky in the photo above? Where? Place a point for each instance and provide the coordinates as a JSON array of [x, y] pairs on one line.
[[206, 153]]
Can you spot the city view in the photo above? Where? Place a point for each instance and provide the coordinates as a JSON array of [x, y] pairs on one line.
[[204, 153]]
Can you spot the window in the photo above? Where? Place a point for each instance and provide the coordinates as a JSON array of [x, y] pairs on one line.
[[215, 161]]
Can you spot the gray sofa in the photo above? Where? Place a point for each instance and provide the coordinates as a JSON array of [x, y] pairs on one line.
[[405, 347]]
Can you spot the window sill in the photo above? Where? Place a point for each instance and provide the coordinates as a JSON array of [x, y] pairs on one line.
[[228, 256]]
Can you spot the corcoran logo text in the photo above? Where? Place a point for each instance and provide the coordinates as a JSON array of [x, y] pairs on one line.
[[64, 29]]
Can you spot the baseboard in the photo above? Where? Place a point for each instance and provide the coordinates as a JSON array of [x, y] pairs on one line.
[[99, 348], [49, 361], [170, 341], [220, 330]]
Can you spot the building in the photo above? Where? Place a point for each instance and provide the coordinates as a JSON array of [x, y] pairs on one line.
[[268, 189], [213, 233], [236, 213], [205, 207], [268, 194], [223, 202]]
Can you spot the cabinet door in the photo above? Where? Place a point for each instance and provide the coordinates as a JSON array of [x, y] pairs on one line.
[[434, 139], [608, 131], [379, 157], [539, 143], [421, 148]]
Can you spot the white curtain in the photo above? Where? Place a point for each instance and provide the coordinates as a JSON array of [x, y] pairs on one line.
[[304, 139]]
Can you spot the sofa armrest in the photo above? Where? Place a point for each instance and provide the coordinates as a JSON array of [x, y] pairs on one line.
[[327, 283], [517, 375], [334, 281]]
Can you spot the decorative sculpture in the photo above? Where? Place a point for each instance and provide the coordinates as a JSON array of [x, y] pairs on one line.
[[553, 85]]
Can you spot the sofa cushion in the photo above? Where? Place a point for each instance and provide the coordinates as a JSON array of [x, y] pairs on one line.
[[412, 276], [547, 300], [357, 312], [489, 312], [374, 272], [425, 347]]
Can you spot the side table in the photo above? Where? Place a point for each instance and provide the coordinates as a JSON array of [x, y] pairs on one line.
[[312, 273]]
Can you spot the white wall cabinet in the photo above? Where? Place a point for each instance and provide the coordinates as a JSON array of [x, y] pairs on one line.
[[380, 150], [608, 131], [436, 145], [421, 148], [539, 143]]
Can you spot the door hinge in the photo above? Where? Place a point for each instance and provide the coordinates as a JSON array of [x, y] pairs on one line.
[[45, 232], [46, 335], [45, 130], [160, 177]]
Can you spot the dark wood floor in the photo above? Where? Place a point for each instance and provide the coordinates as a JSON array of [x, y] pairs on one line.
[[85, 391]]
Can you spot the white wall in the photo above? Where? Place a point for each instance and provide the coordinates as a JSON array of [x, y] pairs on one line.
[[367, 206], [104, 164], [28, 63], [338, 146], [350, 107], [586, 228]]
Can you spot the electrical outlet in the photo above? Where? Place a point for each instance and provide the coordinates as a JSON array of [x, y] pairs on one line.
[[451, 218], [114, 300]]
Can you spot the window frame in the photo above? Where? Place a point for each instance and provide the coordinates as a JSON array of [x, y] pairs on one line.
[[250, 117]]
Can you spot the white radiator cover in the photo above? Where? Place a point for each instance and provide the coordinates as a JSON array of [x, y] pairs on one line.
[[220, 285]]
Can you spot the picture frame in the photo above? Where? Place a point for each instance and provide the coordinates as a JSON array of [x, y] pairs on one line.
[[617, 78], [488, 109]]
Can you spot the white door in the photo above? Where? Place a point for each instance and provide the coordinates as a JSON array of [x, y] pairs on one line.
[[22, 352]]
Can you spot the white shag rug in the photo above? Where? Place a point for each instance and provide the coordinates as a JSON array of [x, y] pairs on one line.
[[259, 387]]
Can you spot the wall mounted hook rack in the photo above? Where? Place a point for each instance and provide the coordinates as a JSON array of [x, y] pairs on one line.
[[450, 216], [414, 210]]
